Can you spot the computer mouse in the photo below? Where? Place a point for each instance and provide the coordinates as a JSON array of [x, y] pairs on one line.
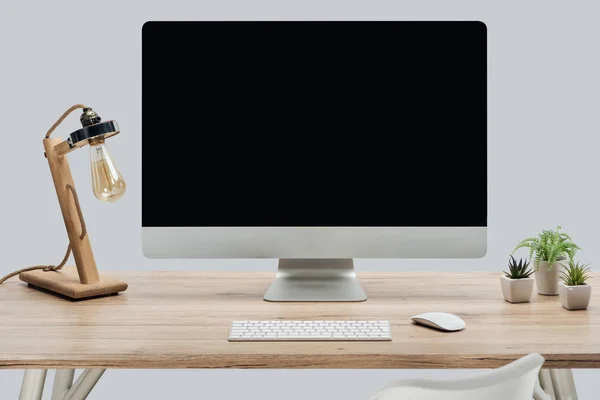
[[439, 320]]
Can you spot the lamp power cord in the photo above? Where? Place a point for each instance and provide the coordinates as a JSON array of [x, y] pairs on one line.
[[47, 268]]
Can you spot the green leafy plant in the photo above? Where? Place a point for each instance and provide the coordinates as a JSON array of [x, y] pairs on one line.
[[550, 246], [575, 274], [518, 270]]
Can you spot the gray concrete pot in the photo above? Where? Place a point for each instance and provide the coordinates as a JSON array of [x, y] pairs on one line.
[[574, 297], [516, 290], [547, 280]]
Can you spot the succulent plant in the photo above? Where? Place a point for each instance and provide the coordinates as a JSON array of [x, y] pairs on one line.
[[518, 270], [575, 274]]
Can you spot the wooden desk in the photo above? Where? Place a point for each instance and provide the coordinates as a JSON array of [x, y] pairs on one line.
[[181, 320]]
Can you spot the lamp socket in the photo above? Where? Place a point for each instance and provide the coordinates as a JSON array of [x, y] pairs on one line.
[[89, 117]]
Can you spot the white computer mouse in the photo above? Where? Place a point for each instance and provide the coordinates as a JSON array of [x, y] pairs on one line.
[[439, 320]]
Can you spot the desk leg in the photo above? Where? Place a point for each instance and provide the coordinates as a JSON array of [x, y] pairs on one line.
[[539, 393], [84, 384], [546, 383], [33, 384], [63, 380], [564, 384], [32, 387]]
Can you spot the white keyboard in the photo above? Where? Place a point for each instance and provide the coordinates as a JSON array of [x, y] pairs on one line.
[[278, 330]]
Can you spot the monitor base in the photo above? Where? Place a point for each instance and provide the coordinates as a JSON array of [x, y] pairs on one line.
[[315, 280]]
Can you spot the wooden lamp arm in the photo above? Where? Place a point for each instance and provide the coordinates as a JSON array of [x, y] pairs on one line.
[[63, 181], [63, 148]]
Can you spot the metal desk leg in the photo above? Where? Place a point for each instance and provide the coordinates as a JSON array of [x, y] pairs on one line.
[[539, 394], [84, 384], [546, 383], [33, 384], [63, 380], [564, 384]]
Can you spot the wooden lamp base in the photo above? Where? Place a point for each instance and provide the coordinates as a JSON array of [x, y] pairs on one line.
[[66, 282]]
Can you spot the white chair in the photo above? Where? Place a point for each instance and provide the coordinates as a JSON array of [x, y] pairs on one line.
[[515, 381]]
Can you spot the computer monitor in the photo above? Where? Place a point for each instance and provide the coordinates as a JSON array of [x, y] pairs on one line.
[[315, 143]]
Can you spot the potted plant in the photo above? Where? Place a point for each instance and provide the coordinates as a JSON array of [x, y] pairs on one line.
[[517, 283], [551, 248], [574, 293]]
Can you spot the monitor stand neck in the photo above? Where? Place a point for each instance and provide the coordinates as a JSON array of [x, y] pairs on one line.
[[314, 279]]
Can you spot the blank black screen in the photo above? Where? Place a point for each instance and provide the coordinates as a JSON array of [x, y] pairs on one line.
[[314, 124]]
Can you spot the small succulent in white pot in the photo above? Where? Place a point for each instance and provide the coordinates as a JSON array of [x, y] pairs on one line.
[[517, 284], [574, 292], [552, 249]]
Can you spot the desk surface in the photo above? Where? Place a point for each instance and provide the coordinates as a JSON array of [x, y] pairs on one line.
[[181, 320]]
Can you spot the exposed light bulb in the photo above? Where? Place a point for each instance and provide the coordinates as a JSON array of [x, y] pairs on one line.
[[107, 182]]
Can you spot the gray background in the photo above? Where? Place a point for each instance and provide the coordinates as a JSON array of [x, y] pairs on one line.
[[543, 122]]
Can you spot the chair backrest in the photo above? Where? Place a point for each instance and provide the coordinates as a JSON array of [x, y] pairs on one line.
[[515, 381]]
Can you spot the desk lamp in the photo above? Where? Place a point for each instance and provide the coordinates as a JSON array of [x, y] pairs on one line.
[[83, 281]]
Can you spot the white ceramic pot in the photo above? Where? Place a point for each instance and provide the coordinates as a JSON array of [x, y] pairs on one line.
[[547, 280], [516, 290], [574, 297]]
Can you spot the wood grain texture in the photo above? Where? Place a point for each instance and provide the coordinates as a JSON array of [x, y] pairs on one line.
[[66, 282], [63, 148], [82, 249], [181, 320]]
